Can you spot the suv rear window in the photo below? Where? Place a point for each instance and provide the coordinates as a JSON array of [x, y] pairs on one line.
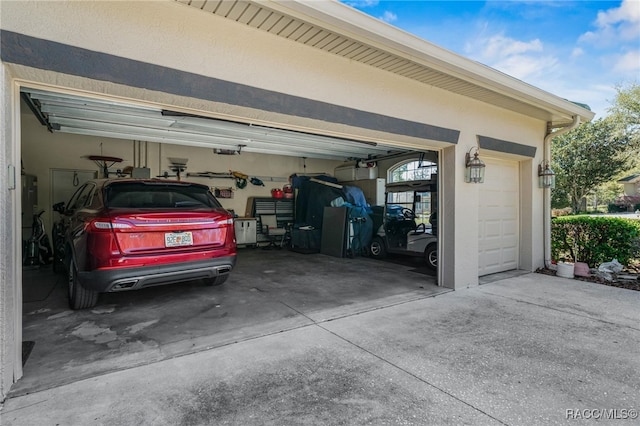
[[158, 196]]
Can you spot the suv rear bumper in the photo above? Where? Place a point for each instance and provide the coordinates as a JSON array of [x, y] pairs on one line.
[[112, 280]]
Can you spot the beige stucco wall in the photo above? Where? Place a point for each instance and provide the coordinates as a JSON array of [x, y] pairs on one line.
[[176, 36], [10, 252], [631, 188], [6, 239], [170, 34]]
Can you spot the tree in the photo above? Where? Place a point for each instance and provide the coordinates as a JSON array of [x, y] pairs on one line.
[[597, 152], [626, 114], [626, 107], [589, 156]]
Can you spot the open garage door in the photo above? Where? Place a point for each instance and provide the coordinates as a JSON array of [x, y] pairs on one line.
[[281, 289], [498, 217], [101, 117]]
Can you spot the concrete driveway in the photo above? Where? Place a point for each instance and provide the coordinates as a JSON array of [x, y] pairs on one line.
[[269, 291], [532, 349]]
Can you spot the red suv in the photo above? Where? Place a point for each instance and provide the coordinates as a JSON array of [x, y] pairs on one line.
[[127, 234]]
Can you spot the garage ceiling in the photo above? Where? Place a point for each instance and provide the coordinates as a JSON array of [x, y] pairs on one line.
[[68, 113]]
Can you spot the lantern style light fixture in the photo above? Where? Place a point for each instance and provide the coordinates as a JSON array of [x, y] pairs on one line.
[[546, 176], [474, 172]]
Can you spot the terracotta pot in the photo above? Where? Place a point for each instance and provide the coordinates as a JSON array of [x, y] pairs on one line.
[[581, 269]]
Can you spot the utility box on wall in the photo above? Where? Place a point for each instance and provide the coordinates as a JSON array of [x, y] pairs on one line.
[[141, 172], [351, 172]]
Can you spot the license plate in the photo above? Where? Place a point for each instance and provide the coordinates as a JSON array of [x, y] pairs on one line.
[[177, 239]]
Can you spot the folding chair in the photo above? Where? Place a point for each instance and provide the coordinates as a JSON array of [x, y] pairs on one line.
[[270, 228]]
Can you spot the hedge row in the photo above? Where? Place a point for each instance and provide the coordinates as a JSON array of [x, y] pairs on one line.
[[594, 239]]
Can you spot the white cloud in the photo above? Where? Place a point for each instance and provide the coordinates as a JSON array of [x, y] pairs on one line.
[[629, 63], [359, 4], [629, 11], [527, 68], [519, 59], [597, 96], [388, 17], [498, 46], [616, 25], [577, 52]]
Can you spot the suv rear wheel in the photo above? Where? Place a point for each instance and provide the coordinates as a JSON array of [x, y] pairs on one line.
[[219, 280], [79, 297]]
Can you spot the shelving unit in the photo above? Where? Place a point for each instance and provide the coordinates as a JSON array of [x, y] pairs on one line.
[[283, 208]]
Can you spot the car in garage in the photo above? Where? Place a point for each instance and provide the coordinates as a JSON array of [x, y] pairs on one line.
[[127, 234]]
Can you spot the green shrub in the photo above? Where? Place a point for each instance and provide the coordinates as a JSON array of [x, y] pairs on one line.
[[594, 240], [616, 208]]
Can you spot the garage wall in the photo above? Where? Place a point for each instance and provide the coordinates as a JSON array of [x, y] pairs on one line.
[[43, 151], [10, 294]]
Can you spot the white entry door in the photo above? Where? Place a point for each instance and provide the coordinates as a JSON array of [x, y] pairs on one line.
[[498, 213]]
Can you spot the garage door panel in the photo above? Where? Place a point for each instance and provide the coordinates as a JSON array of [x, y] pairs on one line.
[[492, 257], [492, 229], [492, 244], [491, 199], [510, 256], [510, 227], [498, 218]]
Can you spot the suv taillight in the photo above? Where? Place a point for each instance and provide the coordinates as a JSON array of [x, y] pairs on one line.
[[106, 225], [102, 246]]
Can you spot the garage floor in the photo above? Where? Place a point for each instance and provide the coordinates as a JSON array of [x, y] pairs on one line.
[[270, 291]]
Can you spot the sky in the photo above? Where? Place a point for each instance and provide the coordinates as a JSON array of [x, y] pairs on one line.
[[577, 49]]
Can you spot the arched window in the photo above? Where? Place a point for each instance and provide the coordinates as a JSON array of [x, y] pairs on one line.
[[411, 170]]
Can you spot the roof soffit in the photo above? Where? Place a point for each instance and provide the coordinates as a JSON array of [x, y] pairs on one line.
[[340, 30]]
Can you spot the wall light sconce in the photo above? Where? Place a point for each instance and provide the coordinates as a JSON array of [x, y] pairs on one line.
[[546, 176], [474, 172]]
